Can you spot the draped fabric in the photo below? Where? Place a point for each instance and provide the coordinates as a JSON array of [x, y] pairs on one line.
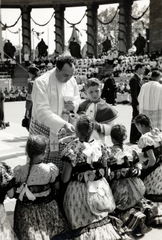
[[150, 102]]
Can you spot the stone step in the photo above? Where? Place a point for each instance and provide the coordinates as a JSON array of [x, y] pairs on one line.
[[19, 82], [20, 76]]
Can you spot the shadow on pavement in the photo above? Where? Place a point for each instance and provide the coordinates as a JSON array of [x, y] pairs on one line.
[[16, 139], [12, 155]]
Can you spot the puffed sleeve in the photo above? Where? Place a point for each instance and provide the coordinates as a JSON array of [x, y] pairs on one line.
[[6, 174], [145, 141], [17, 174], [71, 152], [54, 171]]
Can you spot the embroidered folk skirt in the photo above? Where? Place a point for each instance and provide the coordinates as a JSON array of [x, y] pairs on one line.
[[41, 129]]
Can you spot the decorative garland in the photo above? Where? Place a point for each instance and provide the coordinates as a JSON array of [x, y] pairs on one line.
[[136, 19], [42, 25], [111, 19], [5, 25], [13, 32], [72, 24]]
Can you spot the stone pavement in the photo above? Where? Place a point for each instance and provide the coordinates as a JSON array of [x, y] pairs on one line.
[[12, 148]]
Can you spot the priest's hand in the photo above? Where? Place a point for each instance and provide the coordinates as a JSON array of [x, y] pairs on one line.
[[69, 105], [69, 128], [97, 126]]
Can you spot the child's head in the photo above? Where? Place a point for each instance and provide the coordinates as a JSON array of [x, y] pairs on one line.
[[93, 89], [36, 145], [142, 122], [33, 71], [118, 133], [84, 127]]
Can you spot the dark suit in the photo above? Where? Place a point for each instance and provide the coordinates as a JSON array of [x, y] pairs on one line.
[[135, 86], [109, 90]]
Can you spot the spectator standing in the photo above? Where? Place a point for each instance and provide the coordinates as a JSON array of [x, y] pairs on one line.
[[135, 84], [42, 49], [150, 100], [140, 44], [106, 45], [2, 99], [9, 49], [109, 90], [33, 74], [48, 95], [74, 48]]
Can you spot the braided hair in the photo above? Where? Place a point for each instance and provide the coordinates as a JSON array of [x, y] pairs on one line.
[[119, 134], [35, 146], [85, 127], [143, 120]]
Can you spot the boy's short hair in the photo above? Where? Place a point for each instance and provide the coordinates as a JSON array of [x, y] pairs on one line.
[[91, 82], [36, 145]]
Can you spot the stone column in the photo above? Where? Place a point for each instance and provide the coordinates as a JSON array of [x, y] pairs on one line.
[[26, 29], [1, 42], [92, 42], [155, 25], [59, 29], [122, 28], [128, 12]]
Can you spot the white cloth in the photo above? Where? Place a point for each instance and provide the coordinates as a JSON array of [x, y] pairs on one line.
[[93, 152], [24, 190], [48, 100], [26, 57], [150, 102], [105, 127]]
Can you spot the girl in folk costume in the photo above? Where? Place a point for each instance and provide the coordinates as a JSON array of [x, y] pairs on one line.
[[127, 187], [87, 199], [151, 145], [37, 215], [6, 188]]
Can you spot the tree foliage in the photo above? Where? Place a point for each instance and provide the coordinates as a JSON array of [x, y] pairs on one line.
[[110, 30]]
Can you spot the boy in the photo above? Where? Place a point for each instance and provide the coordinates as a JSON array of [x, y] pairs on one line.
[[101, 112]]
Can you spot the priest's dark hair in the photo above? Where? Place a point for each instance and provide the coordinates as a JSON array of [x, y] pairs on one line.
[[64, 58]]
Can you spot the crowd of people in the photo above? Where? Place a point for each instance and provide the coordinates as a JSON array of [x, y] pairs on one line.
[[15, 94], [75, 185], [7, 67]]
